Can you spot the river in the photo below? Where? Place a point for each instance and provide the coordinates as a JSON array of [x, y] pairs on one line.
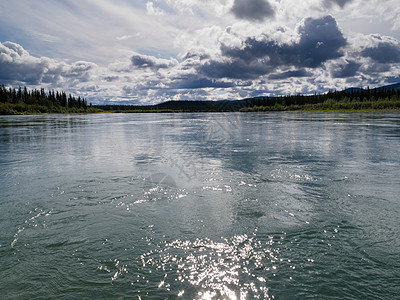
[[200, 206]]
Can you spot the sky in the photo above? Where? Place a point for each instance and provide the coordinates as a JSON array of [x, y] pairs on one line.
[[146, 52]]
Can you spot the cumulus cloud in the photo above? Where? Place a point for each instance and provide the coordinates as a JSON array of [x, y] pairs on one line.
[[384, 52], [341, 3], [235, 69], [217, 7], [194, 82], [319, 40], [252, 10], [17, 66], [290, 74], [78, 70], [152, 10], [378, 57], [231, 61], [150, 62], [345, 69]]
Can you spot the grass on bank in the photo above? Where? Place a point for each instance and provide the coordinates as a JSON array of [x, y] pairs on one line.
[[31, 109], [332, 104]]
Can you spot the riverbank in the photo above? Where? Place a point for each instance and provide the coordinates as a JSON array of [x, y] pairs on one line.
[[29, 109], [375, 100], [15, 109], [24, 101], [332, 105]]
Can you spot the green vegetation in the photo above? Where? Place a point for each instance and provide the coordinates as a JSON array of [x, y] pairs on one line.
[[383, 98], [180, 106], [350, 99], [23, 101]]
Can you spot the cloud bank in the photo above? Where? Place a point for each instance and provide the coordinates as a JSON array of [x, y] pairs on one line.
[[319, 40], [201, 49]]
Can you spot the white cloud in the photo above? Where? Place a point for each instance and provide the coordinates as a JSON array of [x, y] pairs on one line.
[[216, 7], [152, 10], [124, 37], [156, 50], [390, 11]]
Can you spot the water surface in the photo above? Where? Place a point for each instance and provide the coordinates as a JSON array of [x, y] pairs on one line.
[[200, 206]]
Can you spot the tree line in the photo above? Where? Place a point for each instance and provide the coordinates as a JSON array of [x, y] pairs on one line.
[[350, 99], [354, 99], [23, 100]]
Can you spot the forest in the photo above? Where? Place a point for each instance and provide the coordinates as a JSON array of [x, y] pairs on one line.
[[382, 98], [24, 101], [350, 99]]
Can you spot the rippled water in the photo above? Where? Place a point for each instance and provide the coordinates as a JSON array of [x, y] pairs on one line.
[[200, 206]]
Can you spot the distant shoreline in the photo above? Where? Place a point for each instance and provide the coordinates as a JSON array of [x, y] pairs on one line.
[[29, 102], [205, 112]]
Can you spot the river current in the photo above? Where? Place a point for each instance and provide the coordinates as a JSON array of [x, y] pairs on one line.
[[200, 206]]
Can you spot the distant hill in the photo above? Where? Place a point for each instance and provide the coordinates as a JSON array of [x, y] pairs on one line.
[[385, 97], [24, 101], [276, 103], [395, 86], [203, 106]]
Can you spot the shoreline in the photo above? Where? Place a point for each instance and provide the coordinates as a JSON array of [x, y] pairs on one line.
[[193, 112]]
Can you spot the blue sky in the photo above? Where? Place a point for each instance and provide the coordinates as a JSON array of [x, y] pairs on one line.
[[145, 52]]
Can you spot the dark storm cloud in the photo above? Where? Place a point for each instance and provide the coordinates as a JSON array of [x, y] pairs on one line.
[[341, 3], [320, 40], [195, 82], [290, 74], [384, 52], [349, 70], [252, 10], [144, 62], [236, 69], [12, 74]]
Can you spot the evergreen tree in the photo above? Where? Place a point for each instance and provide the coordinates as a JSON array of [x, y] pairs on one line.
[[63, 99], [3, 94], [14, 96], [25, 95], [19, 94]]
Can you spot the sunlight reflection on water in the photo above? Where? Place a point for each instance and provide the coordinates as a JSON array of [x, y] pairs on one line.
[[232, 268]]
